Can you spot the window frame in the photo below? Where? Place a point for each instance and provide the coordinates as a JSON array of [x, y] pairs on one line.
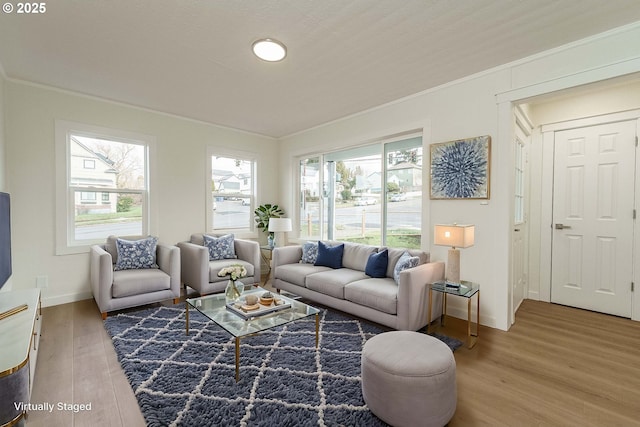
[[384, 145], [241, 232], [65, 210]]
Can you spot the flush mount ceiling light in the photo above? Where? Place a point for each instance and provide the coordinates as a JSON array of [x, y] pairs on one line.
[[269, 50]]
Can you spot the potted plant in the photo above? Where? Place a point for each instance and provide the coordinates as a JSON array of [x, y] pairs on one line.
[[263, 214]]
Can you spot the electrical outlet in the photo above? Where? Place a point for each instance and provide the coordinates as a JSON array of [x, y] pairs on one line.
[[42, 282]]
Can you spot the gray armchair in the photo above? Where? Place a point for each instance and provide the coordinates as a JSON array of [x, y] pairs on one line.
[[118, 289], [201, 273]]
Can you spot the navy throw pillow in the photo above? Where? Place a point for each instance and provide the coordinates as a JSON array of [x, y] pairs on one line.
[[377, 264], [330, 256]]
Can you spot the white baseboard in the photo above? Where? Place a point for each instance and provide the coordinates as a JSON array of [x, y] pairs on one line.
[[65, 299]]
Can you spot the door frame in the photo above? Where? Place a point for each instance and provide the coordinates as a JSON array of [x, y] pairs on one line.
[[506, 101], [546, 215], [521, 121]]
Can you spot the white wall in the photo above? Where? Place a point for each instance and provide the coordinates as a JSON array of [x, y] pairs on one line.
[[472, 107], [589, 102], [178, 191]]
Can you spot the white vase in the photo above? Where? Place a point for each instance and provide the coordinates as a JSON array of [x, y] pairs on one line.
[[233, 290]]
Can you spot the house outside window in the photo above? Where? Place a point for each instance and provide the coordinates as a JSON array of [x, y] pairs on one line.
[[109, 198], [370, 194], [232, 183]]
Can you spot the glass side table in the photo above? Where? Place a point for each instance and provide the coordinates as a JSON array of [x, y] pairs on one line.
[[465, 290]]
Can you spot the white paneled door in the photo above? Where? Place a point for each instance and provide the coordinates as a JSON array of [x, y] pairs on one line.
[[593, 214]]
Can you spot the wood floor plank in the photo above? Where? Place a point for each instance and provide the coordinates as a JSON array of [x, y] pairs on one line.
[[53, 378], [557, 366]]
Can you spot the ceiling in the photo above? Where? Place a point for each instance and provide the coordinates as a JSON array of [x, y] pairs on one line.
[[193, 58]]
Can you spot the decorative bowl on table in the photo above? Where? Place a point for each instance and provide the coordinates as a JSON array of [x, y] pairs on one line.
[[266, 298]]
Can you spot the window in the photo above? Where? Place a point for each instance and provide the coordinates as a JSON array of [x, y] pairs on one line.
[[232, 193], [353, 195], [519, 184], [88, 198], [104, 188], [403, 171]]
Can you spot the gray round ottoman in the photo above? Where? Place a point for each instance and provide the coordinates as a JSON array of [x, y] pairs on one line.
[[409, 379]]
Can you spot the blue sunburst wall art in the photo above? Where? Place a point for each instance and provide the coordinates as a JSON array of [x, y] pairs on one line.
[[460, 169]]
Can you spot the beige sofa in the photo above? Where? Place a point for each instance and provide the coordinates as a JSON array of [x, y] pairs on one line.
[[401, 306]]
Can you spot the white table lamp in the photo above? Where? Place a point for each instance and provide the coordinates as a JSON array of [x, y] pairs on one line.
[[279, 225], [455, 236]]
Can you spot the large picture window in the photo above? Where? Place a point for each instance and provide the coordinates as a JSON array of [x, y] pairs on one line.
[[232, 193], [111, 196], [370, 194]]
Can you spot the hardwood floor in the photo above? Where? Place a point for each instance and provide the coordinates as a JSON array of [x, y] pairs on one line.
[[557, 366]]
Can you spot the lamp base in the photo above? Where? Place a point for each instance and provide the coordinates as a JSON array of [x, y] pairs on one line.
[[453, 266]]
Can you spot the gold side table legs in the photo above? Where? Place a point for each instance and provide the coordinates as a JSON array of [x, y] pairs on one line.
[[472, 337], [470, 344]]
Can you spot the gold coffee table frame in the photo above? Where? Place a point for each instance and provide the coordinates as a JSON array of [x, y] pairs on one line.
[[214, 307]]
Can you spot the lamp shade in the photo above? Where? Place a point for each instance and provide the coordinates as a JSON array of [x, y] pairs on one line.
[[455, 235], [279, 224]]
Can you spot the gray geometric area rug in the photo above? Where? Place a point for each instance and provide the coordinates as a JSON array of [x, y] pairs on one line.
[[182, 380]]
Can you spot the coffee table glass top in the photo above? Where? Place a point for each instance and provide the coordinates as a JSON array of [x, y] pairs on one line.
[[214, 307]]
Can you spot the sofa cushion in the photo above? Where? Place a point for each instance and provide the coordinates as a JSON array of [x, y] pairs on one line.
[[332, 282], [309, 253], [221, 247], [379, 294], [396, 253], [217, 265], [297, 273], [405, 262], [135, 282], [136, 254], [356, 255], [330, 256], [377, 264]]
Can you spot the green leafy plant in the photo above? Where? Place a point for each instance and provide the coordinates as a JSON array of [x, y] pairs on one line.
[[264, 213], [124, 204]]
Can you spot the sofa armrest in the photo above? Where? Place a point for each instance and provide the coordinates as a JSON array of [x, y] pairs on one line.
[[168, 259], [101, 272], [194, 265], [286, 255], [249, 251], [413, 294]]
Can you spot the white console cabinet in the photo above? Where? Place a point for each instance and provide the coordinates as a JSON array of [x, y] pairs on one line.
[[19, 345]]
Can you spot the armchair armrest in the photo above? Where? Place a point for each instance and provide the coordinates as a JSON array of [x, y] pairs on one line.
[[194, 263], [101, 270], [249, 251], [286, 255], [413, 294], [168, 259]]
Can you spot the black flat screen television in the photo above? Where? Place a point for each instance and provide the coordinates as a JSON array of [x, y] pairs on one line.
[[5, 238]]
